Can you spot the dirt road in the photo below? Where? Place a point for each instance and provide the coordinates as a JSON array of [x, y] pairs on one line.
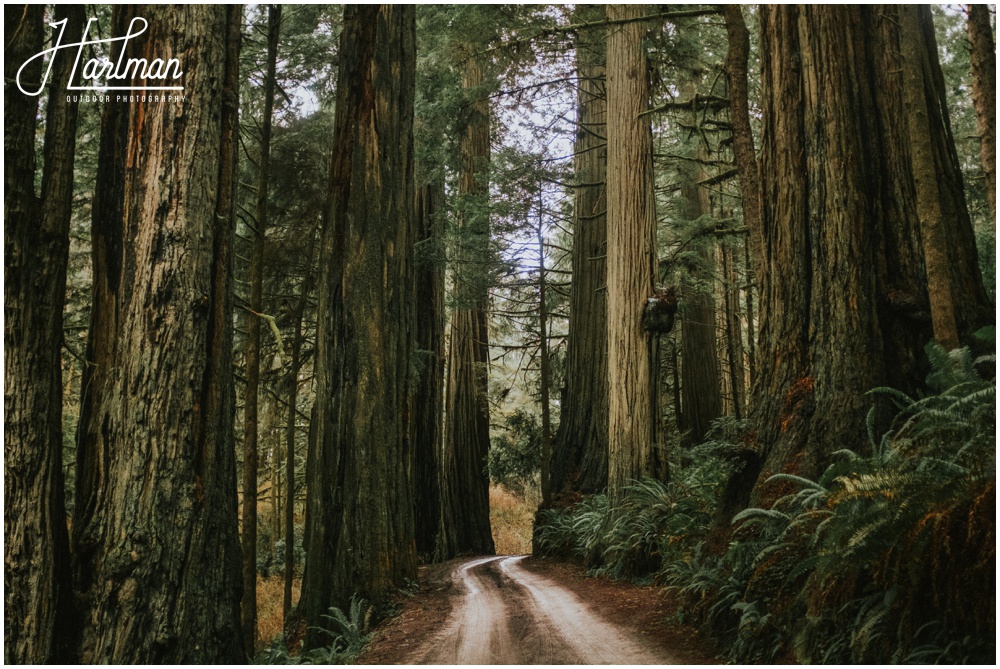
[[508, 615]]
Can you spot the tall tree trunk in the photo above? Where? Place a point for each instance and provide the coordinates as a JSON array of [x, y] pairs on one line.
[[277, 460], [739, 117], [465, 502], [702, 397], [361, 511], [290, 430], [580, 447], [248, 609], [543, 364], [983, 59], [428, 398], [37, 576], [734, 330], [631, 257], [958, 299], [745, 155], [839, 242], [748, 290], [155, 533], [676, 378], [747, 461]]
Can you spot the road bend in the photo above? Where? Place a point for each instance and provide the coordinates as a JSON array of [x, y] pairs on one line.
[[509, 615]]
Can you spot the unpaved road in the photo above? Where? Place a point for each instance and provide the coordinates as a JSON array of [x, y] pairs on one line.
[[508, 615]]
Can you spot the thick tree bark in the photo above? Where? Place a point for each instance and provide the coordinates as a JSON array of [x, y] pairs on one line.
[[155, 533], [428, 398], [983, 59], [580, 446], [37, 576], [248, 535], [839, 239], [361, 523], [465, 503], [959, 303], [631, 257]]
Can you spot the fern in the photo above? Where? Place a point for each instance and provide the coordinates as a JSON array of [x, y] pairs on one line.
[[875, 561], [348, 635]]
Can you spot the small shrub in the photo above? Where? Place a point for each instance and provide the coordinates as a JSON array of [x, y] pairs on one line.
[[514, 459], [271, 561]]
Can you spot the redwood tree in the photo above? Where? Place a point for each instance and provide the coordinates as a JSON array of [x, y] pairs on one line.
[[701, 394], [36, 247], [465, 501], [959, 304], [843, 300], [580, 447], [155, 537], [744, 154], [361, 519], [428, 398], [631, 257], [983, 59]]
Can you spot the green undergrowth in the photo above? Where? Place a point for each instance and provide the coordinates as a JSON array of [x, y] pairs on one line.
[[348, 634], [887, 557]]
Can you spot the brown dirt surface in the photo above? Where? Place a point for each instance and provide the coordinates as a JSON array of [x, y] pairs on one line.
[[531, 611], [646, 609], [420, 615]]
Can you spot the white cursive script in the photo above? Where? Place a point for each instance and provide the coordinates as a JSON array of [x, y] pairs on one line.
[[102, 69]]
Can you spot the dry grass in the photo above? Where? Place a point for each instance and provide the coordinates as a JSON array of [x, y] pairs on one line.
[[270, 598], [512, 517]]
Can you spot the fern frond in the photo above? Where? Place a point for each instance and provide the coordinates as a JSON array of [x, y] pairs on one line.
[[801, 480], [760, 514], [897, 397]]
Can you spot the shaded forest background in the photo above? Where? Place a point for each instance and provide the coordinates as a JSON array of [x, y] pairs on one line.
[[713, 287]]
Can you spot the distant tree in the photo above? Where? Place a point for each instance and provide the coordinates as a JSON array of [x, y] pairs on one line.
[[428, 397], [248, 534], [736, 377], [155, 537], [465, 506], [745, 158], [700, 388], [959, 304], [360, 523], [37, 577], [743, 144], [983, 57]]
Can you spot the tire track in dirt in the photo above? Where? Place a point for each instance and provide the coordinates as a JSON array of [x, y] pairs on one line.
[[508, 615], [593, 639]]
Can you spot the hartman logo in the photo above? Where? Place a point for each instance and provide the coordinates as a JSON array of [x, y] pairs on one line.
[[103, 75]]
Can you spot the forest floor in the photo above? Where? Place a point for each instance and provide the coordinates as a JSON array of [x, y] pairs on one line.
[[526, 610]]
